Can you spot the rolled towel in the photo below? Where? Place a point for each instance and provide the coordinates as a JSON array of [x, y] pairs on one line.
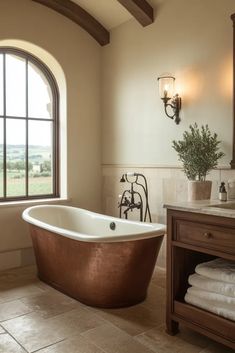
[[212, 285], [218, 299], [210, 306], [218, 269]]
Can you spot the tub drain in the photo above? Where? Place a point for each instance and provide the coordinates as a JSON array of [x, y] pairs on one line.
[[112, 226]]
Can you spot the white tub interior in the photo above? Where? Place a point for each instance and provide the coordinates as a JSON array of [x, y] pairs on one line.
[[79, 223]]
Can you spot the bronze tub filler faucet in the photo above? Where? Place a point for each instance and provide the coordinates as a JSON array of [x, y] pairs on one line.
[[132, 199]]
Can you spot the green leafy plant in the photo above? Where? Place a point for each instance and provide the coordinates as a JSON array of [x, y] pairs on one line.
[[199, 151]]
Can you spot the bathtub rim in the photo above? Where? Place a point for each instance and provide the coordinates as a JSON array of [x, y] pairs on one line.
[[156, 229]]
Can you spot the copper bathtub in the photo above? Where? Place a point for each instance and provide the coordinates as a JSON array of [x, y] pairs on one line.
[[99, 260]]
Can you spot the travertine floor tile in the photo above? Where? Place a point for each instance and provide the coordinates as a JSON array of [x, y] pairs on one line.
[[10, 310], [160, 342], [217, 348], [9, 345], [75, 344], [113, 340], [132, 346], [19, 283], [159, 277], [41, 318], [13, 291], [35, 332], [156, 300], [46, 288], [192, 337], [18, 275], [51, 304], [134, 320]]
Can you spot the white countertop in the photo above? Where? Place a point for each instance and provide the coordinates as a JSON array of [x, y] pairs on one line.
[[210, 207]]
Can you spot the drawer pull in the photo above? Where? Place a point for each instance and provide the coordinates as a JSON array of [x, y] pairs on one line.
[[208, 235]]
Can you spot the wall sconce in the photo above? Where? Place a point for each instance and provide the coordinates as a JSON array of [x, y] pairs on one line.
[[166, 92]]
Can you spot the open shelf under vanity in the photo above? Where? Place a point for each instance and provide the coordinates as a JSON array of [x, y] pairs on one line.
[[188, 244]]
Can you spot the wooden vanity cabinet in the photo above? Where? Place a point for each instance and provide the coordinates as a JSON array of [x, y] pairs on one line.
[[193, 238]]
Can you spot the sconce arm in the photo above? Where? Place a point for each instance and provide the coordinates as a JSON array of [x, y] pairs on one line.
[[169, 105], [175, 106]]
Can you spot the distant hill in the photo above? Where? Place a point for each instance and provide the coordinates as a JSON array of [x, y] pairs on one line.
[[37, 153]]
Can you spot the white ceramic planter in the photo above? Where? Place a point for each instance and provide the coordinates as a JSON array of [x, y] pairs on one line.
[[199, 190]]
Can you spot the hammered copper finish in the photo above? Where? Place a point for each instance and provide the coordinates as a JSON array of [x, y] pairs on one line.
[[107, 275]]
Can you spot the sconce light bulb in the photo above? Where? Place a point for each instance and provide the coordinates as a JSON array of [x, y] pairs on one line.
[[167, 90]]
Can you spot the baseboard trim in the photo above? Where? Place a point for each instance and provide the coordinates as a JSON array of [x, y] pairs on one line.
[[16, 258]]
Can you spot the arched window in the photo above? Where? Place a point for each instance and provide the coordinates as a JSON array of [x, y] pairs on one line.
[[28, 128]]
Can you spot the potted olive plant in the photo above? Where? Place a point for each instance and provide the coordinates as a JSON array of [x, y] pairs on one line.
[[199, 153]]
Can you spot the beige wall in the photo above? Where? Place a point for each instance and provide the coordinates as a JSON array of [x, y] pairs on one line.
[[191, 39], [79, 57]]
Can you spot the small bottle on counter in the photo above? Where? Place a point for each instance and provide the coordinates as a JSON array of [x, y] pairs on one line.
[[222, 192]]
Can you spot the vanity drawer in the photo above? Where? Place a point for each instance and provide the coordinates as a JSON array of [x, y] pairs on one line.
[[205, 235]]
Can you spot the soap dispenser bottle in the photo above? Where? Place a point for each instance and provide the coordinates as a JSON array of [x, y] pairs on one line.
[[222, 192]]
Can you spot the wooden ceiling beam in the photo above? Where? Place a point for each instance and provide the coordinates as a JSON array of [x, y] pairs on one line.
[[78, 15], [140, 9]]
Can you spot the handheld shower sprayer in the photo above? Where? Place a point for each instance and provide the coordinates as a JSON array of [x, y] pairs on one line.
[[128, 197], [123, 180]]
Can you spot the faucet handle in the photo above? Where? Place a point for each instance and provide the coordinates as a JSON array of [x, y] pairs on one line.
[[119, 200]]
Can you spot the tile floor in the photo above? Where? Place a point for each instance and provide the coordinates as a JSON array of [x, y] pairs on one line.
[[36, 318]]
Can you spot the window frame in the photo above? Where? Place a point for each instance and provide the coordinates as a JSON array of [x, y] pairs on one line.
[[54, 120]]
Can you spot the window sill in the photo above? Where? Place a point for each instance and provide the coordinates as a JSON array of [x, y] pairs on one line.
[[28, 203]]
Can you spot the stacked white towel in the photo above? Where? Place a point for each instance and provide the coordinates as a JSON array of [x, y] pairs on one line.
[[213, 287]]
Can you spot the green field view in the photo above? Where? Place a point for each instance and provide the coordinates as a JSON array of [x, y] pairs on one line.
[[40, 180], [16, 187]]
